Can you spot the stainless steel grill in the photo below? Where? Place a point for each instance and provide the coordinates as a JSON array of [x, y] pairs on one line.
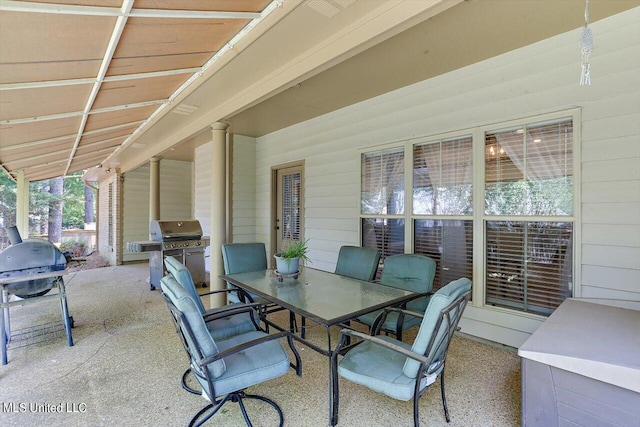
[[180, 239], [29, 269]]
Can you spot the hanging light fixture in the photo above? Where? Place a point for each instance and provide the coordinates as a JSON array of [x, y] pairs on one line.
[[586, 47]]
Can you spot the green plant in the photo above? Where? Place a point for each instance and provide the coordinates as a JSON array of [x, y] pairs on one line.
[[295, 249]]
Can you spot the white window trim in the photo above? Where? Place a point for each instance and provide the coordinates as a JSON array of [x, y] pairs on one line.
[[478, 217], [479, 260]]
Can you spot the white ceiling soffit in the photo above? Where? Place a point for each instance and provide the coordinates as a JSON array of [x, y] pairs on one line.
[[302, 44], [96, 71]]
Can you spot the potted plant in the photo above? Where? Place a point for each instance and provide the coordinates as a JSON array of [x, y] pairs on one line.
[[288, 260]]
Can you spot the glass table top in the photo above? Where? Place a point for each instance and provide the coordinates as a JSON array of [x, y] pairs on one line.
[[325, 297]]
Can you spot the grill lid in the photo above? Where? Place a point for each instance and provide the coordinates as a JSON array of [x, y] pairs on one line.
[[166, 231], [31, 257]]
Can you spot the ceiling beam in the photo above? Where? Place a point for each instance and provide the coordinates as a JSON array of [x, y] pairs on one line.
[[66, 9], [80, 113], [111, 49], [71, 82], [208, 69]]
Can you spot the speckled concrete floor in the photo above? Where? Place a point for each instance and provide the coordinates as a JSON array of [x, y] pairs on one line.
[[125, 367]]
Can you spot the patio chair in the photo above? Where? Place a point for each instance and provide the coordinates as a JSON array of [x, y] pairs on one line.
[[399, 370], [221, 328], [224, 369], [242, 258], [411, 272], [358, 262]]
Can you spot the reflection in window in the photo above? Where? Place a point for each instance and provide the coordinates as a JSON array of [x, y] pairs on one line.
[[450, 244], [529, 264], [443, 177], [382, 182], [383, 234], [529, 172]]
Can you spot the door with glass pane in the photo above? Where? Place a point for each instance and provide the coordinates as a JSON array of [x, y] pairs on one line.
[[289, 209]]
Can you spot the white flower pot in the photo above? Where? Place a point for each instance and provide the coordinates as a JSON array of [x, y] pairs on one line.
[[284, 266]]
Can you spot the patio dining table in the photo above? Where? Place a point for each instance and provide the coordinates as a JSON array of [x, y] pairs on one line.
[[327, 299]]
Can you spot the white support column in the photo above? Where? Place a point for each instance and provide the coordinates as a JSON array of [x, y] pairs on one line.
[[154, 189], [22, 205], [218, 209]]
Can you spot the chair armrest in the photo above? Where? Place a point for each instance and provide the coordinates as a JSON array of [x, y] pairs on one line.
[[230, 307], [406, 312], [377, 324], [229, 310], [391, 346], [241, 347], [217, 291]]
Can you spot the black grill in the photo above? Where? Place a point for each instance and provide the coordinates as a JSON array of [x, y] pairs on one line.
[[29, 269]]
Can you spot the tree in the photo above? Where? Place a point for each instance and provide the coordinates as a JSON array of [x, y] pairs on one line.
[[74, 201], [88, 205], [7, 207], [56, 186]]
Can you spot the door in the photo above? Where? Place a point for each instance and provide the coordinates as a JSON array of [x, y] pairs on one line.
[[289, 206]]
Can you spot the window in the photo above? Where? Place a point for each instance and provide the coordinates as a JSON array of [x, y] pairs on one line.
[[450, 244], [442, 189], [111, 222], [291, 190], [528, 184], [519, 212], [443, 177], [382, 200]]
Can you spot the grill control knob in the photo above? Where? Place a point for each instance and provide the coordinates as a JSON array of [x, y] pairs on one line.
[[198, 243]]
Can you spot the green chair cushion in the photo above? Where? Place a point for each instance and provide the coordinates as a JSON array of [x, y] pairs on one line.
[[380, 369], [181, 299], [441, 299], [248, 367], [357, 262]]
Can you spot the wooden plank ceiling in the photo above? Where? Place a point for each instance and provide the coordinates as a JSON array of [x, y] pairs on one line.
[[78, 77]]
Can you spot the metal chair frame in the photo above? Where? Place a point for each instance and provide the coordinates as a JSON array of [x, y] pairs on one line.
[[220, 313], [198, 359], [450, 314]]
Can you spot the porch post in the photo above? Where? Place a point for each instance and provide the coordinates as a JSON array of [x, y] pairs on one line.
[[218, 209], [22, 205], [154, 189]]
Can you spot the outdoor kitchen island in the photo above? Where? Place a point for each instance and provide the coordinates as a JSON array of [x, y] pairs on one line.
[[582, 367]]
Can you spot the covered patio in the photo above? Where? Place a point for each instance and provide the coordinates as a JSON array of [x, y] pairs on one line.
[[125, 369], [440, 104]]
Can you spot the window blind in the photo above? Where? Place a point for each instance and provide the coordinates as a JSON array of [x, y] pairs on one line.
[[443, 177], [110, 231], [382, 182], [529, 170], [291, 187], [450, 244], [529, 264], [383, 234]]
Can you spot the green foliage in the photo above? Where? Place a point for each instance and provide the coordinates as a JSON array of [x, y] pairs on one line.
[[7, 200], [296, 249], [73, 210], [72, 199]]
